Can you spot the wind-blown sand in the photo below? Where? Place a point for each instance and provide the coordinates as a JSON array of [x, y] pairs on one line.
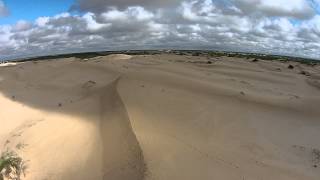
[[162, 117]]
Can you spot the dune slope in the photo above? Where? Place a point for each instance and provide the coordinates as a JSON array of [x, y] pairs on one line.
[[162, 117]]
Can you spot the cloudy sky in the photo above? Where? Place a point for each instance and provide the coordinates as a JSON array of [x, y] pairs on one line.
[[40, 27]]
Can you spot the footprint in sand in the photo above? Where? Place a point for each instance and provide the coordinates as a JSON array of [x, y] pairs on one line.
[[18, 132], [21, 146], [89, 84], [312, 154]]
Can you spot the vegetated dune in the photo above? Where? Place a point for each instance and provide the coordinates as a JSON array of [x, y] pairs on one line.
[[162, 117]]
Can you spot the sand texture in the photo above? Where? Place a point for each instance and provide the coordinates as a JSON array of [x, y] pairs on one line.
[[162, 117]]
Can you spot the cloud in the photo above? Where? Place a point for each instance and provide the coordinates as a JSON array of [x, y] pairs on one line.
[[99, 6], [300, 9], [3, 9], [190, 24], [21, 26]]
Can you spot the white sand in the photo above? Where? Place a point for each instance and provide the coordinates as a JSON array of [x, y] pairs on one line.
[[6, 64], [162, 117]]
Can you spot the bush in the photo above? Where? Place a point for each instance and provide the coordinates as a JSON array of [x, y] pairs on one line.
[[11, 166]]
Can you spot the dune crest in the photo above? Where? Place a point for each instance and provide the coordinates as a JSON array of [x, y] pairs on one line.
[[161, 117], [118, 139], [120, 56]]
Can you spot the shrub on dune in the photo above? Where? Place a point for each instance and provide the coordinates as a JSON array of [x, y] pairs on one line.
[[11, 166]]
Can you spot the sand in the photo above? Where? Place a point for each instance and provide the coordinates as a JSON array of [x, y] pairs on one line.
[[162, 117], [6, 64]]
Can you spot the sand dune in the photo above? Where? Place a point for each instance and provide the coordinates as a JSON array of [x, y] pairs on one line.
[[162, 117]]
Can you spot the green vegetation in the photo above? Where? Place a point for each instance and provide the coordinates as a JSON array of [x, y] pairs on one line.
[[245, 55], [88, 55], [206, 53], [11, 166]]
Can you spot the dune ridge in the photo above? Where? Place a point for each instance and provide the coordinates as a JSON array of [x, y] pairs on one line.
[[161, 117], [127, 160]]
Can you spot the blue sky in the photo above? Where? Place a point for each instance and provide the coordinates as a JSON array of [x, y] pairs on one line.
[[30, 10]]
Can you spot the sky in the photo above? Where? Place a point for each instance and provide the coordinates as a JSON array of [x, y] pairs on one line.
[[44, 27]]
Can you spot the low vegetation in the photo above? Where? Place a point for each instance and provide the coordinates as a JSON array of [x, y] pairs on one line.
[[11, 166], [207, 53]]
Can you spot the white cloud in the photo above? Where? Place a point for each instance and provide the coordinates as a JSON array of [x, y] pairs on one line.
[[5, 34], [313, 24], [42, 21], [114, 15], [22, 26], [300, 9], [92, 24], [238, 25], [99, 6], [135, 12], [62, 15]]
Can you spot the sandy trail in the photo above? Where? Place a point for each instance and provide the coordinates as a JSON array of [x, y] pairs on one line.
[[162, 117]]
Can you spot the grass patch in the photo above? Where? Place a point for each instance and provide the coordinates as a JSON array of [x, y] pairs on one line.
[[11, 166]]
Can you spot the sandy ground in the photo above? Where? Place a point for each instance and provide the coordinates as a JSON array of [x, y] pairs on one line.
[[162, 117]]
